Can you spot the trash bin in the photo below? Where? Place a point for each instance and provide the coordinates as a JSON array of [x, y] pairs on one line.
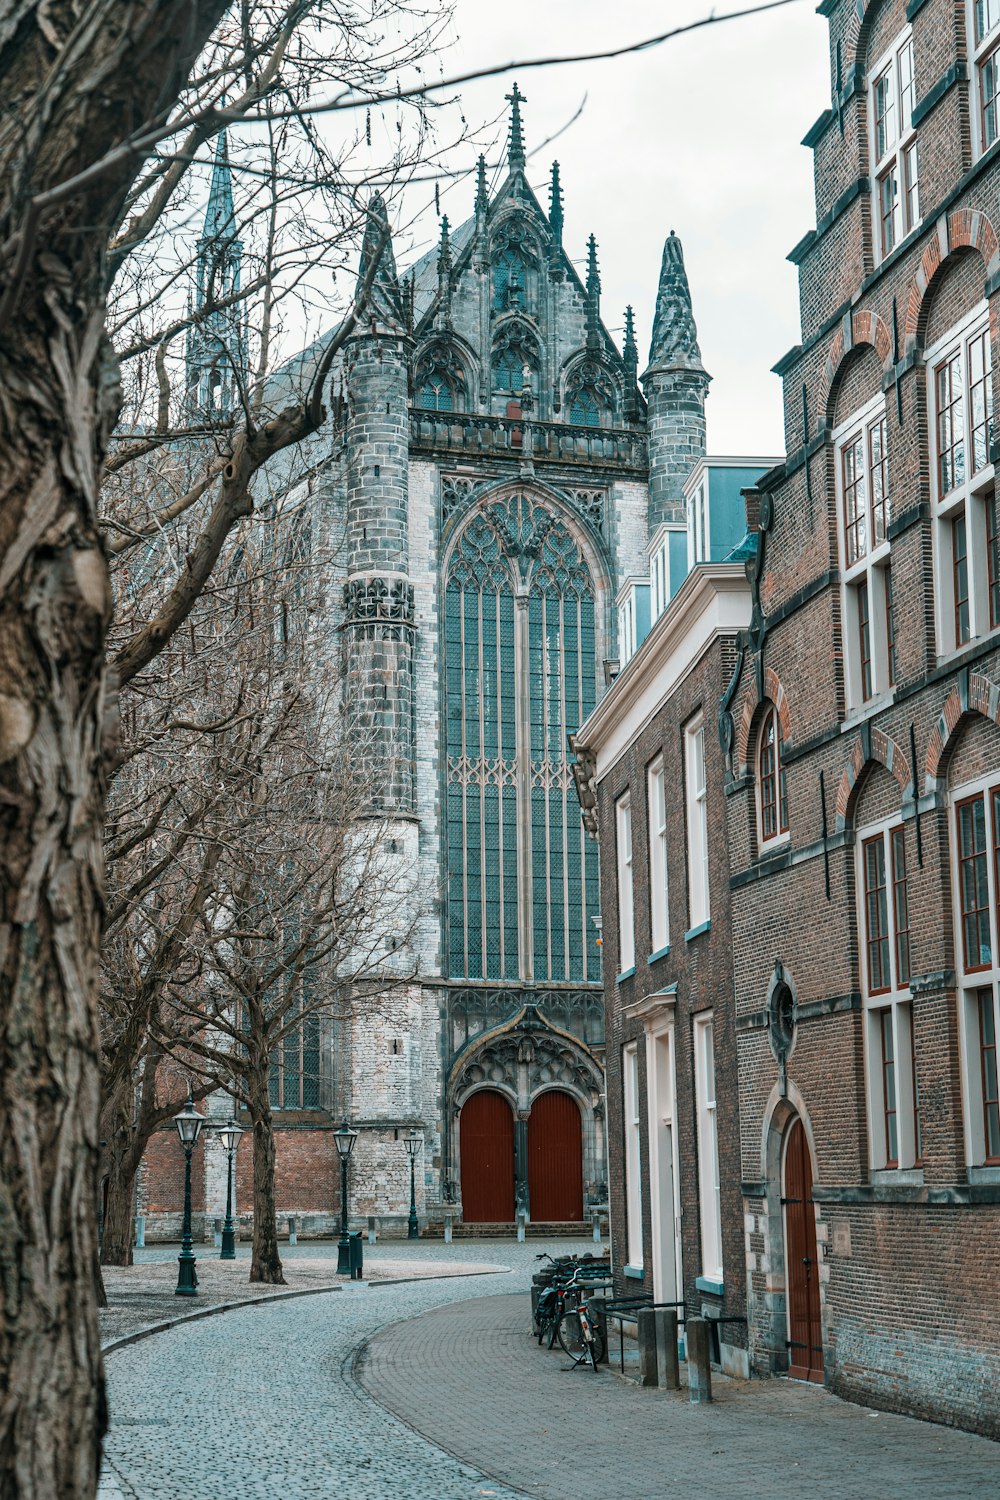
[[357, 1260]]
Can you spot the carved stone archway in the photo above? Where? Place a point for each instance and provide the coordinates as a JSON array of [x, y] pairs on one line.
[[523, 1059]]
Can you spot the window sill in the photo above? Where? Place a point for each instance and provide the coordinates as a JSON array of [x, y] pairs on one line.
[[694, 932], [989, 1175], [858, 715], [954, 657], [634, 1273], [625, 974], [714, 1287], [897, 1176], [654, 958], [772, 846]]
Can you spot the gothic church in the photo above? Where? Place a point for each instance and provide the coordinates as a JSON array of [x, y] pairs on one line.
[[498, 472]]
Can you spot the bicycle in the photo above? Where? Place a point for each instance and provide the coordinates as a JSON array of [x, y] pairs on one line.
[[579, 1331], [551, 1299]]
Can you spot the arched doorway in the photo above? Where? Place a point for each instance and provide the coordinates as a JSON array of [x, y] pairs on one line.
[[805, 1330], [555, 1159], [486, 1135]]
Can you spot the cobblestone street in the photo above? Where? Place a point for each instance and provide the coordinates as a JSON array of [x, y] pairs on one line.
[[263, 1402]]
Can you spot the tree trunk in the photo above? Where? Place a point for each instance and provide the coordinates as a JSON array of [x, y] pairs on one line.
[[119, 1215], [80, 89], [265, 1264]]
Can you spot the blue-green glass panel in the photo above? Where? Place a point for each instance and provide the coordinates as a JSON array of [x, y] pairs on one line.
[[584, 410], [310, 1062]]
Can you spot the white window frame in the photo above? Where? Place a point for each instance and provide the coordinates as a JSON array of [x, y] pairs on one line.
[[656, 809], [781, 835], [659, 577], [664, 1159], [866, 573], [985, 50], [699, 533], [972, 979], [626, 900], [709, 1184], [968, 499], [894, 154], [627, 627], [893, 998], [696, 796], [633, 1155]]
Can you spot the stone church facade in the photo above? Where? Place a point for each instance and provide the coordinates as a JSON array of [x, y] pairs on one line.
[[493, 475]]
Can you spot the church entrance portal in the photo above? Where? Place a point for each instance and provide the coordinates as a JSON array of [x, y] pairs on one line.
[[555, 1159], [486, 1129], [805, 1332]]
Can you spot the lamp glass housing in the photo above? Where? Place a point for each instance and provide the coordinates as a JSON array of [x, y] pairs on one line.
[[413, 1142], [189, 1123], [230, 1135], [345, 1138]]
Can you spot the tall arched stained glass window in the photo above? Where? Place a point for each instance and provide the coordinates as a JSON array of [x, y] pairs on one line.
[[510, 279], [520, 660]]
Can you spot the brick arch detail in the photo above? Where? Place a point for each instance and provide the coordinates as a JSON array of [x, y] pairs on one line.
[[861, 329], [773, 693], [982, 698], [884, 751], [966, 229]]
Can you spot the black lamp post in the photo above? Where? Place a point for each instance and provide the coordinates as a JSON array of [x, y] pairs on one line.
[[413, 1143], [229, 1135], [345, 1138], [189, 1123]]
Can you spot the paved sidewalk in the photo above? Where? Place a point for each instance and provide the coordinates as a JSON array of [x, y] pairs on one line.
[[469, 1378]]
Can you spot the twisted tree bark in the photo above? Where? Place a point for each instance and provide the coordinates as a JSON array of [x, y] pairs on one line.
[[77, 80]]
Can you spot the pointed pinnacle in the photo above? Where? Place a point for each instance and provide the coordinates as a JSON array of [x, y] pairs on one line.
[[515, 152], [556, 203], [593, 275], [630, 348], [220, 215], [444, 250], [482, 198]]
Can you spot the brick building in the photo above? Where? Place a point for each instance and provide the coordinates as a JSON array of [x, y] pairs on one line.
[[491, 476], [863, 748]]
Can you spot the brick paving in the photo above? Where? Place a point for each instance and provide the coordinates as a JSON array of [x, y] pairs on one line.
[[469, 1378], [456, 1402]]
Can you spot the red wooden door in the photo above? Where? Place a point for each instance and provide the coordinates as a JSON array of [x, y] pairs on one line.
[[805, 1334], [486, 1136], [555, 1159]]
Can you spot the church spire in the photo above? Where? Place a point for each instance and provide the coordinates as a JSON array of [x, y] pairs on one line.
[[593, 294], [674, 344], [482, 197], [515, 150], [220, 215], [556, 203], [444, 274], [384, 304]]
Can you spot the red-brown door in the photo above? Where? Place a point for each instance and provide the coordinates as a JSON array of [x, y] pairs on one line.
[[486, 1135], [805, 1334], [555, 1159]]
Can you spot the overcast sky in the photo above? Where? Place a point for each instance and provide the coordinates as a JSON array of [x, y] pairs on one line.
[[701, 136]]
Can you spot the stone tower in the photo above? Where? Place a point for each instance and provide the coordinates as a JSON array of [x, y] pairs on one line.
[[676, 382], [216, 346], [378, 596]]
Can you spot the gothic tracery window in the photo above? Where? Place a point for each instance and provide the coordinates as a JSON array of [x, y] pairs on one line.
[[510, 280], [520, 663], [435, 393]]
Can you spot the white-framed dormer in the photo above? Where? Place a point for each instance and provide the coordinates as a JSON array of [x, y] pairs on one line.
[[893, 147], [963, 499], [699, 531], [666, 568], [863, 516], [983, 30], [632, 601]]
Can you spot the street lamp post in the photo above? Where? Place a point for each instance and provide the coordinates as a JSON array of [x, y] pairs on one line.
[[345, 1138], [229, 1135], [413, 1143], [189, 1123]]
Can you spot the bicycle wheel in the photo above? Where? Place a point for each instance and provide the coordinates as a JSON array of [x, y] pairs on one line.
[[571, 1336]]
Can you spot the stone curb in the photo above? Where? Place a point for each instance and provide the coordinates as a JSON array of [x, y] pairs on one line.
[[309, 1291], [210, 1312]]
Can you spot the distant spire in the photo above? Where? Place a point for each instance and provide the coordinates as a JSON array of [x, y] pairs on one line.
[[482, 197], [674, 344], [444, 273], [515, 150], [556, 203], [593, 295], [630, 350], [385, 303], [220, 215]]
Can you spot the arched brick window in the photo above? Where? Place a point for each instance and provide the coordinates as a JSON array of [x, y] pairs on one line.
[[772, 792]]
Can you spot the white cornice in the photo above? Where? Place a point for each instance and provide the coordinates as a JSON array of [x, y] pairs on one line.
[[713, 600], [725, 461]]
